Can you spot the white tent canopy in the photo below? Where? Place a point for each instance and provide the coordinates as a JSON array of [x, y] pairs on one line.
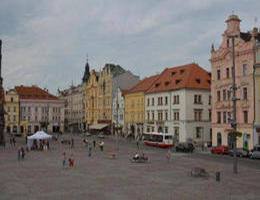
[[39, 135]]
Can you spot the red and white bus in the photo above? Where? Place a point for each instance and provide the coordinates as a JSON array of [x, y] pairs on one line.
[[158, 139]]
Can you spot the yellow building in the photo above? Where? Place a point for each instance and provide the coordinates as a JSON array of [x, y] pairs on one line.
[[135, 106], [92, 99], [11, 107]]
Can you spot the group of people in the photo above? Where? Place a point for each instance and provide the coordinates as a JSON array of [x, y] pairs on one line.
[[43, 145], [12, 141], [89, 146], [20, 154], [70, 160]]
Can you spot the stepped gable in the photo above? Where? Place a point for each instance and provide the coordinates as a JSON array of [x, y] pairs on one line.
[[190, 76], [144, 84], [34, 92]]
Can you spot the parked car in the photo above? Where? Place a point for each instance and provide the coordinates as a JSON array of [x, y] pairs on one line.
[[185, 147], [240, 152], [220, 150], [255, 153]]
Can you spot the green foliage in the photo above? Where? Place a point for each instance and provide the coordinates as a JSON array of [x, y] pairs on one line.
[[235, 134]]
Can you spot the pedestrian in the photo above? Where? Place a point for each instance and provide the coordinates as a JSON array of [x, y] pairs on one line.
[[22, 153], [72, 143], [19, 154], [94, 144], [63, 160], [169, 155], [48, 144], [14, 141], [101, 145], [11, 141], [71, 161], [89, 150], [205, 146]]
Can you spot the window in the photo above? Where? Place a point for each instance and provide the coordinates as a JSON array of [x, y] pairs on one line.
[[8, 109], [166, 115], [29, 109], [176, 99], [209, 99], [152, 115], [152, 101], [160, 115], [36, 109], [197, 99], [224, 117], [148, 102], [12, 99], [152, 129], [209, 115], [229, 94], [244, 69], [227, 72], [198, 132], [224, 95], [148, 115], [245, 93], [148, 129], [176, 115], [219, 117], [166, 129], [166, 100], [218, 74], [246, 117], [14, 118], [14, 109], [35, 118], [197, 115], [218, 95]]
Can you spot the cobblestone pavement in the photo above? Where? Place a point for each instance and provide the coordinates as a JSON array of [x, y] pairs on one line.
[[41, 176]]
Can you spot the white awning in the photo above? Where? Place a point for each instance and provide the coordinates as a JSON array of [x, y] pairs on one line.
[[98, 126]]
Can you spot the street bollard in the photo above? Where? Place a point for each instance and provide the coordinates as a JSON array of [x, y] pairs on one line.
[[218, 176]]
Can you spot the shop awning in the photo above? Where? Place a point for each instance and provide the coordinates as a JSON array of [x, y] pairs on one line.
[[98, 126]]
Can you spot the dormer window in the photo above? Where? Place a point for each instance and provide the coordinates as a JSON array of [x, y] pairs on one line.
[[181, 71], [197, 80], [172, 74], [157, 84], [167, 83], [177, 81]]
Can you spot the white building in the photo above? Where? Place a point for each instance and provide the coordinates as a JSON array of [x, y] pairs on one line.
[[179, 103], [39, 109]]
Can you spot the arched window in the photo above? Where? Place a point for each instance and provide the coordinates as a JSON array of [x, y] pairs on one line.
[[219, 139]]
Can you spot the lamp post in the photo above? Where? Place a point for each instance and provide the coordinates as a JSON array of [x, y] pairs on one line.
[[234, 99], [2, 120]]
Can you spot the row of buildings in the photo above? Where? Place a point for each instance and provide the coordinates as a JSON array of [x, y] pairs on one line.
[[186, 101]]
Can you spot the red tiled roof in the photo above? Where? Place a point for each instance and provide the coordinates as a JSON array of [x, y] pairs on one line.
[[190, 76], [33, 92], [144, 84], [124, 92]]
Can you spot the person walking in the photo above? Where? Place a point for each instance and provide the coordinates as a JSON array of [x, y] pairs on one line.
[[63, 160], [14, 141], [89, 150], [169, 155], [101, 145], [19, 154], [72, 143], [71, 161], [22, 153], [94, 144]]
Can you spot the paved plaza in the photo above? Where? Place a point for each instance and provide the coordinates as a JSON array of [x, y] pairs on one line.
[[41, 176]]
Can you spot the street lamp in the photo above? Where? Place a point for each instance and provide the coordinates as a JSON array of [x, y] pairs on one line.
[[234, 99]]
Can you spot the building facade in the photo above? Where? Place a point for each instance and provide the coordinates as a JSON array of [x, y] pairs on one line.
[[135, 107], [38, 110], [257, 91], [221, 90], [11, 108], [92, 99], [75, 99], [178, 102]]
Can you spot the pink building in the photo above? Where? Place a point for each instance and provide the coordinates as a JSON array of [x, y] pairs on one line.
[[221, 66]]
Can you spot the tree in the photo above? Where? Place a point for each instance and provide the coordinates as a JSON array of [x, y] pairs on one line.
[[234, 134]]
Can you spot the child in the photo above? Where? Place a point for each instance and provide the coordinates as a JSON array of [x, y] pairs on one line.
[[64, 160]]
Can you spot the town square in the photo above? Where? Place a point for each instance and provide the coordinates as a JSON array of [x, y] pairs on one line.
[[114, 99]]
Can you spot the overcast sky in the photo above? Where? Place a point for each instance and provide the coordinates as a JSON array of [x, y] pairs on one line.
[[46, 42]]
